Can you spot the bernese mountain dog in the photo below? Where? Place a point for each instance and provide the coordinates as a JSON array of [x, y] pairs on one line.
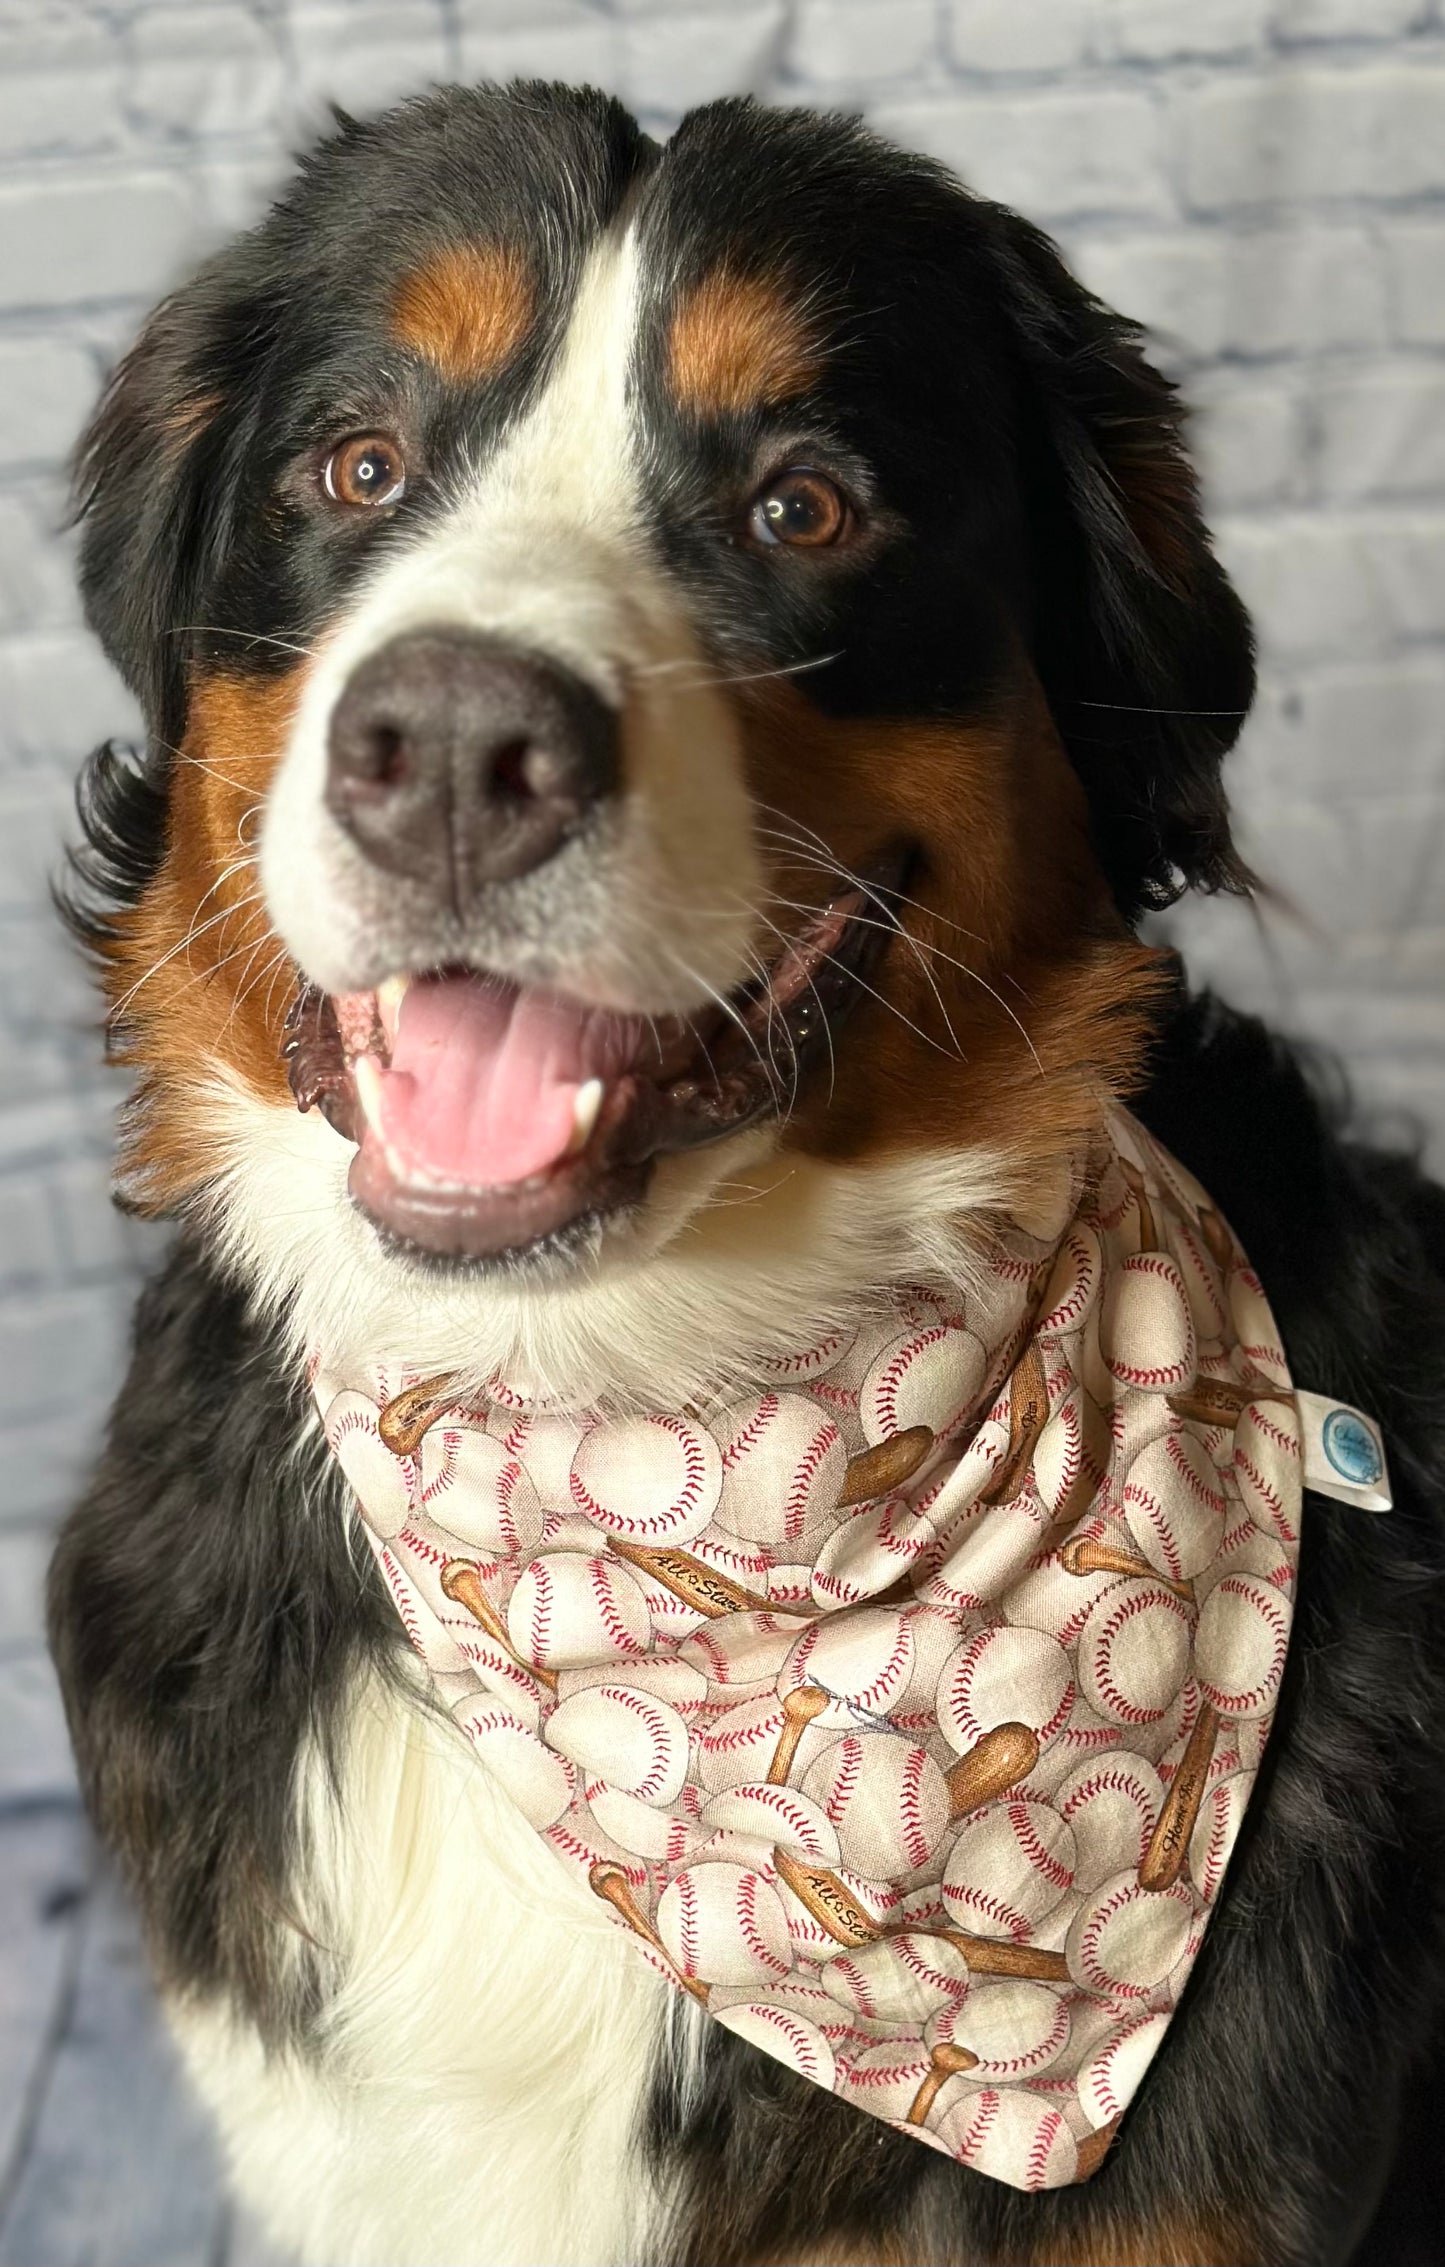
[[672, 677]]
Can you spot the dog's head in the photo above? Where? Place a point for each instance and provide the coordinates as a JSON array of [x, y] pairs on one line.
[[662, 663]]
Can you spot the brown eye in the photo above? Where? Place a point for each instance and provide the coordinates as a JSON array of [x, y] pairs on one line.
[[366, 470], [802, 508]]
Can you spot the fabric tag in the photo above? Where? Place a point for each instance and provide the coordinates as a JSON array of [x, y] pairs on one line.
[[1344, 1455]]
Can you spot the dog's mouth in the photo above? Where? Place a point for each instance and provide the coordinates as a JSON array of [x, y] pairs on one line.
[[490, 1117]]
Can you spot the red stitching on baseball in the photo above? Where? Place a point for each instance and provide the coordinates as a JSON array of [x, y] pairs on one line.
[[599, 1582], [795, 1509], [1026, 1834], [752, 1431], [994, 1909], [1135, 1603]]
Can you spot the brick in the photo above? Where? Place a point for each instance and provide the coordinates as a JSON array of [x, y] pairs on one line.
[[855, 39], [1160, 31], [29, 1252], [59, 88], [586, 51], [1415, 252], [1329, 726], [1371, 131], [195, 74], [94, 1238], [59, 696], [57, 1349], [1248, 438], [35, 1759], [671, 62], [1271, 291], [49, 387], [367, 57], [109, 236], [1047, 153], [1320, 585], [24, 1557], [998, 35], [37, 574], [1380, 435], [1299, 20], [35, 819]]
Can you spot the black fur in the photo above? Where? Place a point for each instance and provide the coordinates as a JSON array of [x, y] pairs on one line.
[[206, 1610]]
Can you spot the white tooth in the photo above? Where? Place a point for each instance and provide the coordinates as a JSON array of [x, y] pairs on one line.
[[366, 1071], [585, 1105], [389, 997]]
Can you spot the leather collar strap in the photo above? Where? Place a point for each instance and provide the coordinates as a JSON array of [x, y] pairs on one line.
[[905, 1710]]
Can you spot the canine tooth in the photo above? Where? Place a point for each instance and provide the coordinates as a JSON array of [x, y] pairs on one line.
[[389, 997], [366, 1071], [585, 1105]]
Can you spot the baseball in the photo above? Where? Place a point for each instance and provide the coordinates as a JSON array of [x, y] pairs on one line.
[[884, 2077], [1255, 1326], [1267, 1467], [1004, 1675], [1012, 2135], [931, 1376], [663, 1675], [568, 1609], [1052, 1598], [538, 1782], [1125, 1939], [1072, 1286], [901, 1979], [933, 1636], [546, 1446], [887, 1801], [1072, 1454], [1010, 1864], [1109, 2078], [1201, 1280], [1146, 1329], [1239, 1647], [988, 1548], [860, 1660], [1133, 1651], [783, 1462], [661, 1836], [1174, 1504], [813, 1362], [437, 1647], [723, 1924], [1221, 1813], [870, 1552], [1013, 2028], [386, 1486], [777, 1816], [741, 1655], [476, 1491], [627, 1738], [1110, 1803], [784, 2034], [649, 1479]]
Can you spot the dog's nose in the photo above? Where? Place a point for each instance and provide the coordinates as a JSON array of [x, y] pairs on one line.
[[457, 760]]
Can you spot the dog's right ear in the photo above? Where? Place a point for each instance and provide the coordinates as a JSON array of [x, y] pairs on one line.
[[153, 475]]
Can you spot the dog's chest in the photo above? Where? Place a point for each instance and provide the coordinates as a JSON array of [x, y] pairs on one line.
[[486, 2058]]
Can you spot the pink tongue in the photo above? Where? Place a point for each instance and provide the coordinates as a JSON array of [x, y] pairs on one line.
[[483, 1077]]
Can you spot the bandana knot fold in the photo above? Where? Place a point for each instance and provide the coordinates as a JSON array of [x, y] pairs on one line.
[[906, 1710]]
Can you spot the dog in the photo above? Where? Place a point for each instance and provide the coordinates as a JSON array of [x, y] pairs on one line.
[[716, 647]]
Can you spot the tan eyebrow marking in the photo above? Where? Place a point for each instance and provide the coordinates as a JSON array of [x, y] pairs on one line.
[[739, 342], [467, 309]]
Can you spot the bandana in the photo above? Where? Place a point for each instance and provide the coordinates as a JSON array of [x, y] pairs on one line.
[[905, 1711]]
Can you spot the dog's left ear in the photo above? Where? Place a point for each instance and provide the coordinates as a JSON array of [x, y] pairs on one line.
[[1143, 648]]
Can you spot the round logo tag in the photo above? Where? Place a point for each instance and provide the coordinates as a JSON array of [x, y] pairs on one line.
[[1350, 1446]]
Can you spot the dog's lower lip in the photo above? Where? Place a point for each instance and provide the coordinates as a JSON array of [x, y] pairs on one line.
[[691, 1085]]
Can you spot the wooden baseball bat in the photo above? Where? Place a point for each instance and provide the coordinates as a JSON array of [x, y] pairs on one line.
[[994, 1764], [697, 1585], [995, 1956], [1084, 1556], [1219, 1401], [463, 1585], [610, 1883], [877, 1471], [1163, 1861], [830, 1903], [947, 2062], [408, 1415], [799, 1709], [1028, 1414], [1096, 2147], [1148, 1230]]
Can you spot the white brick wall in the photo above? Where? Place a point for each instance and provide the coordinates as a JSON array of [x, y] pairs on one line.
[[1263, 180]]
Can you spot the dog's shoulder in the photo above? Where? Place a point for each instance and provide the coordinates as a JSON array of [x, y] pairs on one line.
[[208, 1613]]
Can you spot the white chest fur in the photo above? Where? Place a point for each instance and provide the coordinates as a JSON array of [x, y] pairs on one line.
[[483, 2073]]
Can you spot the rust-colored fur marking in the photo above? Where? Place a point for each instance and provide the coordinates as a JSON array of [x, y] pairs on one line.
[[466, 310], [1175, 2242], [195, 978], [1017, 992], [739, 342]]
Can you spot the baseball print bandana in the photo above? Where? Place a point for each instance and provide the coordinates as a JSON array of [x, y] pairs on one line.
[[906, 1710]]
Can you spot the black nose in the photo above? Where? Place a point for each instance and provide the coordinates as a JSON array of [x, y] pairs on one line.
[[458, 761]]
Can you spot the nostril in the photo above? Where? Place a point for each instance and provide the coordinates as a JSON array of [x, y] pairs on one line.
[[508, 771], [385, 762]]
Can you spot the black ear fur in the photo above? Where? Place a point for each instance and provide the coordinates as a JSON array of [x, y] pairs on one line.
[[1143, 647]]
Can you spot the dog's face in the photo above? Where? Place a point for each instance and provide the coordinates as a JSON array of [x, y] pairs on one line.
[[660, 661]]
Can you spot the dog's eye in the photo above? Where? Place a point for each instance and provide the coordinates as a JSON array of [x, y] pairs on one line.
[[368, 469], [799, 507]]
